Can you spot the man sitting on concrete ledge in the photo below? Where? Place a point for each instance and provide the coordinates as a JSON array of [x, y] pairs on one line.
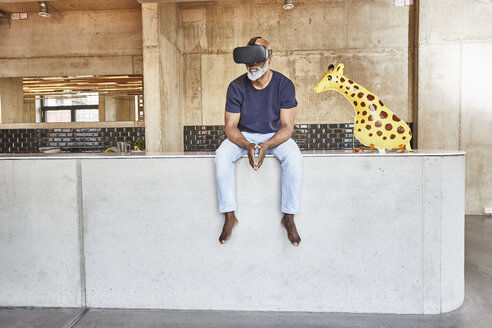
[[259, 118]]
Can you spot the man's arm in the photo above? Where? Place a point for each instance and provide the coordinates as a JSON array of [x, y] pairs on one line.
[[287, 119], [235, 136]]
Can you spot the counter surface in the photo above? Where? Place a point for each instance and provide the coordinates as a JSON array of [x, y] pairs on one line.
[[205, 154]]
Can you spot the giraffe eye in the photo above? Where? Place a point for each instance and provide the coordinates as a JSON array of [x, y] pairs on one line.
[[329, 77]]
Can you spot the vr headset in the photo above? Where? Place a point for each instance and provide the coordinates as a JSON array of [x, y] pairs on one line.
[[253, 53]]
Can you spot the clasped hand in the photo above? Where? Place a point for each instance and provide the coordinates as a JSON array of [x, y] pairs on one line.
[[262, 149]]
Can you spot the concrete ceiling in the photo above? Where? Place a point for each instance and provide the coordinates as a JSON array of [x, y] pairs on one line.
[[11, 6]]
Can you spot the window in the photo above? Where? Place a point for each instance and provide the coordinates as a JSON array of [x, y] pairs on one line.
[[82, 108]]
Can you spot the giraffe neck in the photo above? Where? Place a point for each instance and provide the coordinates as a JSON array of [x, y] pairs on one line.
[[361, 98]]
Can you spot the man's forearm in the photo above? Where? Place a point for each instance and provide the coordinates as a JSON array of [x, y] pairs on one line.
[[280, 137], [234, 135]]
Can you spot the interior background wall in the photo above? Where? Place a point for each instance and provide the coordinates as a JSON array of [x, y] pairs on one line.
[[73, 43], [370, 38], [93, 42], [455, 51], [11, 101]]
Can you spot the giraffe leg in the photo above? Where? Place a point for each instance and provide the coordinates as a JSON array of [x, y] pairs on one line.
[[402, 148], [410, 150], [372, 148]]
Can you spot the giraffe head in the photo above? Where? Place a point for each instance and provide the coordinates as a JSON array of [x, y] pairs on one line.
[[329, 79]]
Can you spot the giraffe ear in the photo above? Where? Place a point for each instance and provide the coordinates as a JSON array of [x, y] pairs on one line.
[[340, 69], [331, 68]]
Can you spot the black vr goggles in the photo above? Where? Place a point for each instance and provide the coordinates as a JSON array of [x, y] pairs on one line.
[[253, 53]]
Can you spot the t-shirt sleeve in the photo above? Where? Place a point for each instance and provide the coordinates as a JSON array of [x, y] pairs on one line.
[[234, 99], [288, 95]]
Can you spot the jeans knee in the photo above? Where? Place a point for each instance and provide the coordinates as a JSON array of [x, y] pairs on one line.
[[223, 154]]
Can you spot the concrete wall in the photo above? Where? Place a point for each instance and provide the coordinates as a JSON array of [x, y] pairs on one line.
[[455, 51], [40, 262], [370, 37], [82, 231], [11, 102], [73, 43]]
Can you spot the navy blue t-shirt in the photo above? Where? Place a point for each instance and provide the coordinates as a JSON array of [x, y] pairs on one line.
[[260, 109]]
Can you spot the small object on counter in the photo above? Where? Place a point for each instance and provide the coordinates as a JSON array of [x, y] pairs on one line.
[[111, 150], [139, 145], [49, 150]]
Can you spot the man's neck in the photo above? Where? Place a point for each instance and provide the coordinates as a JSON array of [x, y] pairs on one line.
[[263, 81]]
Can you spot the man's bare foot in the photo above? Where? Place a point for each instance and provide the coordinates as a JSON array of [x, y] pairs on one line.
[[229, 224], [290, 226]]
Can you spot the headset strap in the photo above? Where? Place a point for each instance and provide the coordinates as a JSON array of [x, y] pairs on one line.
[[252, 43]]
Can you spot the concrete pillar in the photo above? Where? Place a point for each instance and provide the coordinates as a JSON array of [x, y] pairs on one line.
[[102, 108], [151, 80], [454, 73], [163, 77], [12, 102], [110, 108]]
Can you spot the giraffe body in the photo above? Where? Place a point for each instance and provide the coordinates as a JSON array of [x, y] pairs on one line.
[[375, 125]]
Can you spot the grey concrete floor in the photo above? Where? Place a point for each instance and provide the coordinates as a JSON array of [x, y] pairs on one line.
[[475, 313]]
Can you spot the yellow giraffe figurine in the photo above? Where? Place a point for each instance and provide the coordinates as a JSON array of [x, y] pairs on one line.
[[375, 125]]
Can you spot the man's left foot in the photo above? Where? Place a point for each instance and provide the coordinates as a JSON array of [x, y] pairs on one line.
[[290, 226]]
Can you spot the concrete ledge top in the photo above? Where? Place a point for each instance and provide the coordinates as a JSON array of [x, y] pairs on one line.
[[205, 154]]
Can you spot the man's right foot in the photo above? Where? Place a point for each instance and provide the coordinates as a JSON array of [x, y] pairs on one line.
[[290, 226], [229, 224]]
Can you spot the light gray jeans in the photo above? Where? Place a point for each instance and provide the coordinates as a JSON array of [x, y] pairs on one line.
[[287, 153]]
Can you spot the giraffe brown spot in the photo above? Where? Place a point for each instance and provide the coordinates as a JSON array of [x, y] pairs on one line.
[[351, 82], [356, 88], [379, 133], [384, 138], [342, 79], [370, 97], [356, 122], [378, 124], [346, 92], [392, 136], [363, 104], [388, 127], [370, 134], [383, 114], [341, 87], [370, 118], [358, 112], [358, 130], [348, 87], [410, 132], [352, 95], [381, 103], [373, 107], [404, 138], [364, 113], [355, 103], [400, 129], [363, 121], [360, 95], [396, 118], [368, 127]]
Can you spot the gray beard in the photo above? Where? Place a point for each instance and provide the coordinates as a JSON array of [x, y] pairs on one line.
[[253, 76]]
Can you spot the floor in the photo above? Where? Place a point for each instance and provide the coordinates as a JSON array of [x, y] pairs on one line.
[[474, 313]]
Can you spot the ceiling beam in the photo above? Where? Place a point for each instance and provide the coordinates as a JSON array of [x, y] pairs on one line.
[[168, 1], [14, 1]]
